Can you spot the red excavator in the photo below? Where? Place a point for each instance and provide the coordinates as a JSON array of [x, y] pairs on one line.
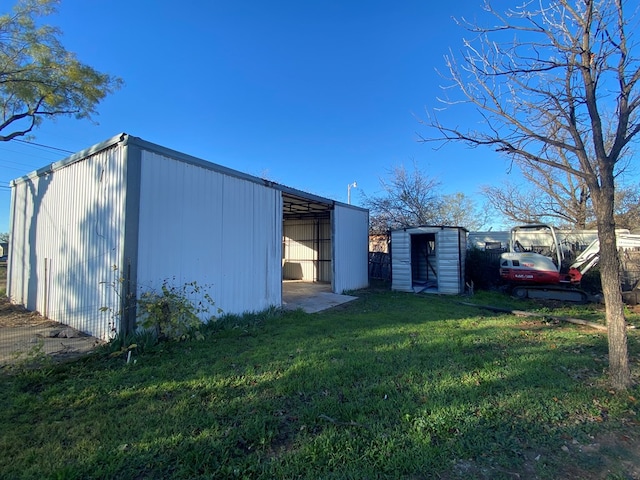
[[539, 272]]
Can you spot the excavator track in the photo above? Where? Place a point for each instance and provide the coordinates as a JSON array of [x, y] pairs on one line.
[[551, 292]]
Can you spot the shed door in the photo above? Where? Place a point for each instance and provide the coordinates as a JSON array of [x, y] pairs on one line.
[[424, 269]]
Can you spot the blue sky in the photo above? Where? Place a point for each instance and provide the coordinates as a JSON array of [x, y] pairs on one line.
[[311, 94]]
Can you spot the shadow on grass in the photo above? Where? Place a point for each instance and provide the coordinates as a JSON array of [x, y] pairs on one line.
[[392, 386]]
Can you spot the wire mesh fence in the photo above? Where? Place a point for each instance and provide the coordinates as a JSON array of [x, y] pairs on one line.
[[28, 338]]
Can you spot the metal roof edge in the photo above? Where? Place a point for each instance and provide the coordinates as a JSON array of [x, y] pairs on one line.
[[185, 157], [127, 139], [76, 157], [190, 159], [349, 205], [437, 227]]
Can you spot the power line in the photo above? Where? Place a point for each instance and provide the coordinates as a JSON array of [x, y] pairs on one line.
[[20, 165], [42, 145]]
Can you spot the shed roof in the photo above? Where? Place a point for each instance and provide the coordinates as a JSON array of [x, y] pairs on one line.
[[429, 228]]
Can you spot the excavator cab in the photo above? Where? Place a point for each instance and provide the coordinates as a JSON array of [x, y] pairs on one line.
[[534, 271]]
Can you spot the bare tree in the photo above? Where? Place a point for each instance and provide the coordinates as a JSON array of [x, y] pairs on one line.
[[460, 210], [408, 198], [411, 198], [552, 196], [627, 208], [559, 76], [560, 204]]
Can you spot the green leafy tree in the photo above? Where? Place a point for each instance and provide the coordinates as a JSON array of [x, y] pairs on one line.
[[39, 78], [558, 76]]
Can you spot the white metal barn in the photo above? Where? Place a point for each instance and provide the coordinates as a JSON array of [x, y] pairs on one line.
[[90, 232], [428, 258]]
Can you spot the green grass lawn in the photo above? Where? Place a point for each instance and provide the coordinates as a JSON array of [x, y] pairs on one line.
[[392, 385]]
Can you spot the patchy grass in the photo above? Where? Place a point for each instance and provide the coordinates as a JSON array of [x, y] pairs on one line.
[[392, 385], [3, 279]]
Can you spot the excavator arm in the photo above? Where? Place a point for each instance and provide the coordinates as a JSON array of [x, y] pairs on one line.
[[591, 255]]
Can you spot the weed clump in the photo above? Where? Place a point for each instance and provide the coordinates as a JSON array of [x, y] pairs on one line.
[[171, 314]]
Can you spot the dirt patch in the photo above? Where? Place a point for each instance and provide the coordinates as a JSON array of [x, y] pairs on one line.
[[608, 455], [605, 456], [26, 336], [17, 316]]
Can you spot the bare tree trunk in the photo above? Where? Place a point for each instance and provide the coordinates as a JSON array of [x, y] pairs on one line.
[[581, 216], [619, 371], [564, 96]]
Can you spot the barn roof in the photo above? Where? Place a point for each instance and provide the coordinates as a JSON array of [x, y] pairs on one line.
[[296, 203]]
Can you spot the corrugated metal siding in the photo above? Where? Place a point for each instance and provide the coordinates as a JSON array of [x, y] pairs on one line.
[[200, 225], [449, 261], [401, 261], [350, 248], [67, 233], [307, 250], [462, 239]]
